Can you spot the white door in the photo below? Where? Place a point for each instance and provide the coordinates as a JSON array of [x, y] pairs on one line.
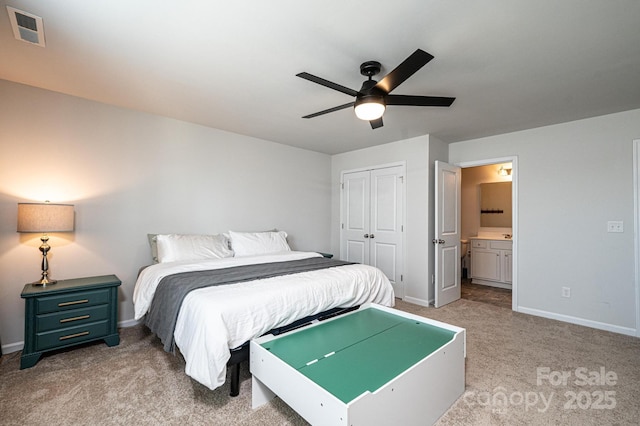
[[447, 233], [356, 197], [385, 236], [372, 221]]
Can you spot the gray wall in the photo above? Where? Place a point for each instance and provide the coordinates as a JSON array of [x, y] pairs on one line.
[[129, 174], [572, 179], [415, 152]]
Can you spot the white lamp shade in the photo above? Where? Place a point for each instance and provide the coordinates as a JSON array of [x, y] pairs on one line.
[[45, 217], [369, 110]]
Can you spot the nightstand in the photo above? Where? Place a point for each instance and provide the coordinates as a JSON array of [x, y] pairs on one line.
[[69, 313]]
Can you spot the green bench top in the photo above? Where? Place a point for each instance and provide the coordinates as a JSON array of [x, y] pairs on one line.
[[358, 352]]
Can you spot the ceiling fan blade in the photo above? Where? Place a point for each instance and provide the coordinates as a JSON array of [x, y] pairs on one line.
[[418, 100], [327, 111], [406, 69], [327, 83], [376, 123]]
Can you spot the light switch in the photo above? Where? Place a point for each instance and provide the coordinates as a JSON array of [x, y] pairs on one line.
[[615, 226]]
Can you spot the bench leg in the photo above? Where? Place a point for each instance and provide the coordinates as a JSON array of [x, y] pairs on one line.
[[235, 380], [260, 393]]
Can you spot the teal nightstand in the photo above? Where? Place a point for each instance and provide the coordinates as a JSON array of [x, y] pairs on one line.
[[69, 313]]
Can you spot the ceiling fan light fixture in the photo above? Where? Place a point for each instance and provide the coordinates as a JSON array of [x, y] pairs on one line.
[[369, 107], [374, 96]]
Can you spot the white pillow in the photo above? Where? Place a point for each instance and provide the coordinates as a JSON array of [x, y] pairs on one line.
[[174, 247], [252, 243]]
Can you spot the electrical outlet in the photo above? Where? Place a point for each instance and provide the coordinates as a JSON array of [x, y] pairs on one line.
[[615, 226], [566, 292]]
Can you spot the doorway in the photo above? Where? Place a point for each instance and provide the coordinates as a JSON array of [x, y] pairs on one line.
[[486, 232]]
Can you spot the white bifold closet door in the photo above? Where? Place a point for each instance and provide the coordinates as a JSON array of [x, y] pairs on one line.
[[372, 220]]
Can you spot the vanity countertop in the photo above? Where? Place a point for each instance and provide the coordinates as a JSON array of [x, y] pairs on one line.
[[493, 234]]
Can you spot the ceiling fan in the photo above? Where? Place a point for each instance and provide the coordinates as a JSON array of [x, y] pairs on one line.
[[373, 97]]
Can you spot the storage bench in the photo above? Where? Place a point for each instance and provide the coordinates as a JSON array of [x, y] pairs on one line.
[[373, 366]]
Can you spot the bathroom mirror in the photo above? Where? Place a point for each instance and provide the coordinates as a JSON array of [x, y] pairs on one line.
[[495, 205]]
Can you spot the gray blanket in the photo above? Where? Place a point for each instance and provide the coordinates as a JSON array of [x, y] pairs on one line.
[[171, 291]]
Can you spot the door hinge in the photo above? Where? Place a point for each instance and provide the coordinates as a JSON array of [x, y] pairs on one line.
[[342, 225], [401, 228], [401, 277], [342, 186]]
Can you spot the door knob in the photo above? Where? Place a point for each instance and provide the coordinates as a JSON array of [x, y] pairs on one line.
[[372, 236], [366, 235]]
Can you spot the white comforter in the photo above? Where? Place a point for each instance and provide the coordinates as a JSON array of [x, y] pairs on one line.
[[215, 319]]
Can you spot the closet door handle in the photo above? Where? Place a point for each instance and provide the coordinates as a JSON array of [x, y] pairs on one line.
[[372, 236], [366, 235]]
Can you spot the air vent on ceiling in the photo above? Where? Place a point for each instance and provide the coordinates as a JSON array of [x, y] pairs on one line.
[[26, 26]]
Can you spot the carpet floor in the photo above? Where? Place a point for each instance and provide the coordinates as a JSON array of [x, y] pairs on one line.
[[520, 370]]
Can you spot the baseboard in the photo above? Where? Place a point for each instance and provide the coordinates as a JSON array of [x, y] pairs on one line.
[[129, 323], [579, 321], [12, 347], [416, 301], [491, 283]]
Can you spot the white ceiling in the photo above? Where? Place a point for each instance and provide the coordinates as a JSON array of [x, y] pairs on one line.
[[511, 64]]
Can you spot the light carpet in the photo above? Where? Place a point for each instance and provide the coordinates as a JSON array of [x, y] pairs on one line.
[[520, 370]]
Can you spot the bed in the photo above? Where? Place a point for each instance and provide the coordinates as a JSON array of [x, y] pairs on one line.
[[213, 322]]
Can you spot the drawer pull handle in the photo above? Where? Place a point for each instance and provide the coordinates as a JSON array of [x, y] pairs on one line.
[[75, 302], [71, 336], [81, 317]]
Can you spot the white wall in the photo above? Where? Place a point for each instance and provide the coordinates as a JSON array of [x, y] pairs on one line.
[[129, 174], [415, 152], [572, 179]]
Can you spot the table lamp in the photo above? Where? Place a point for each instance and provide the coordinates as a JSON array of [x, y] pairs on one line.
[[45, 217]]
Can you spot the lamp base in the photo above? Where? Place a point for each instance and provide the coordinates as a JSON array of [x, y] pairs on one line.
[[44, 282]]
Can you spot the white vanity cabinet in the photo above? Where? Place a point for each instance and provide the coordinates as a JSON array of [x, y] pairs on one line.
[[491, 262]]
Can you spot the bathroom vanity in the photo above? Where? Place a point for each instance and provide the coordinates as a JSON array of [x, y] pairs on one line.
[[491, 261]]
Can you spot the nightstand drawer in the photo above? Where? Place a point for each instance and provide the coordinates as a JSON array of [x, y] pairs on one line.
[[71, 335], [71, 301], [70, 318]]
